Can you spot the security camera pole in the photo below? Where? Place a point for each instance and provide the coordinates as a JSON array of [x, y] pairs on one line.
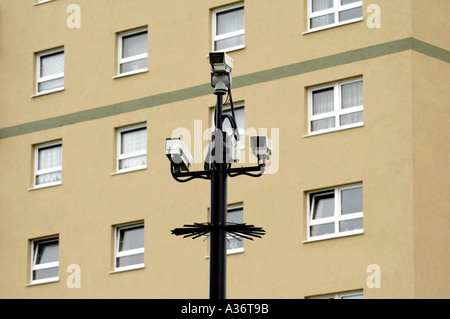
[[217, 168]]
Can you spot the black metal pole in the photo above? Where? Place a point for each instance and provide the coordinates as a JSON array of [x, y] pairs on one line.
[[218, 211]]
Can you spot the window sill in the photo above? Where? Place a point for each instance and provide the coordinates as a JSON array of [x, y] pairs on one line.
[[122, 75], [334, 130], [333, 26], [47, 92], [42, 282], [232, 252], [42, 2], [124, 171], [340, 235], [128, 268], [44, 186]]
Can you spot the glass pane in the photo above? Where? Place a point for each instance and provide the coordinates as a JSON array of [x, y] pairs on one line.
[[323, 101], [239, 114], [234, 243], [344, 2], [48, 178], [352, 94], [130, 260], [350, 14], [235, 216], [134, 65], [323, 206], [351, 224], [133, 141], [351, 118], [51, 84], [134, 44], [322, 20], [352, 200], [131, 238], [52, 64], [47, 252], [355, 296], [323, 124], [133, 162], [323, 229], [45, 273], [229, 21], [230, 42], [49, 157], [318, 5]]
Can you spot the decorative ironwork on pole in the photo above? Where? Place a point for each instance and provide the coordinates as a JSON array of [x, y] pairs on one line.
[[223, 151]]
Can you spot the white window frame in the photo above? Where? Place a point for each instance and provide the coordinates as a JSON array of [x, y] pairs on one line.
[[130, 252], [338, 110], [132, 154], [336, 9], [240, 249], [42, 2], [241, 130], [34, 267], [337, 217], [123, 60], [341, 295], [55, 169], [228, 35], [40, 79]]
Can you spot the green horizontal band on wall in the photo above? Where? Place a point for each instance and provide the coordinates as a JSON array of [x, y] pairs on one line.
[[238, 82]]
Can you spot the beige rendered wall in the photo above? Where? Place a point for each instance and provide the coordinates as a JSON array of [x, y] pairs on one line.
[[90, 201], [431, 177], [431, 151]]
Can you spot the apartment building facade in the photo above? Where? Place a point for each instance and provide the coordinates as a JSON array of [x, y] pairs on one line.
[[353, 95]]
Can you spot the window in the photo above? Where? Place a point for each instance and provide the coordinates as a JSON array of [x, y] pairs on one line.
[[50, 72], [133, 52], [239, 113], [335, 212], [132, 148], [42, 1], [129, 247], [323, 14], [48, 164], [235, 214], [45, 260], [344, 295], [228, 28], [335, 106]]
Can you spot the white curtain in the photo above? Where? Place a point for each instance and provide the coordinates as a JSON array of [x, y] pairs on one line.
[[230, 21], [49, 65], [352, 94], [318, 5], [135, 44], [131, 238], [49, 157], [235, 216], [323, 101], [133, 141], [52, 64]]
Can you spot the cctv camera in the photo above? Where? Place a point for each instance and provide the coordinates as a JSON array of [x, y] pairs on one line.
[[220, 62], [234, 149], [261, 147], [178, 154]]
